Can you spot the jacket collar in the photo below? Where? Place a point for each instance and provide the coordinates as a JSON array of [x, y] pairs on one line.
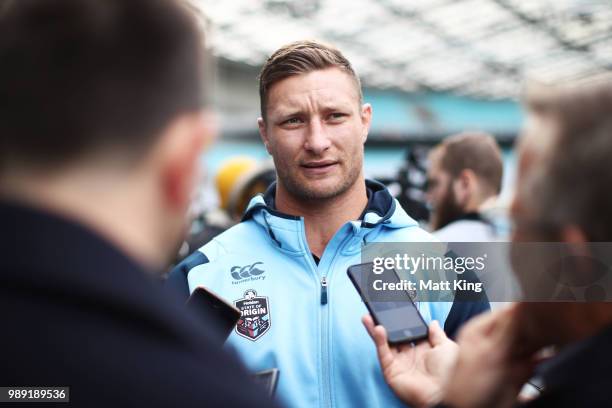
[[381, 205], [382, 210]]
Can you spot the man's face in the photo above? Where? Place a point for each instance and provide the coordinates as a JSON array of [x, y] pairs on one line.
[[539, 319], [315, 130], [533, 153], [440, 193], [180, 169]]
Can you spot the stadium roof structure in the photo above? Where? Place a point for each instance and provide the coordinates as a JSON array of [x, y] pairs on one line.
[[478, 48]]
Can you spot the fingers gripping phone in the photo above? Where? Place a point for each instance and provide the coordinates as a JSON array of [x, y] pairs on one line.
[[396, 312], [210, 306]]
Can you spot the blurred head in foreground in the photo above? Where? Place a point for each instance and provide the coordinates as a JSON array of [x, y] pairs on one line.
[[102, 115], [563, 195]]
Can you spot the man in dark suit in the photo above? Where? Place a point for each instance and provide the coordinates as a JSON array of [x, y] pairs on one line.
[[101, 130]]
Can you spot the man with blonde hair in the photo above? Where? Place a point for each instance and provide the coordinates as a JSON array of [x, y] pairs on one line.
[[285, 264]]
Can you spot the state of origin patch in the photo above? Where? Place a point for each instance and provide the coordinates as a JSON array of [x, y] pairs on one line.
[[255, 315]]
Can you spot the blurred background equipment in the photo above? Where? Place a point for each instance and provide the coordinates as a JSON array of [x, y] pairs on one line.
[[238, 180], [229, 174], [409, 184]]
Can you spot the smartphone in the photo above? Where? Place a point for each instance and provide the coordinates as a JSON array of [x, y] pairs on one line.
[[267, 379], [212, 307], [396, 312]]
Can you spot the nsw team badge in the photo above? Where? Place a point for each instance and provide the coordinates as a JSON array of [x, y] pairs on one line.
[[255, 315]]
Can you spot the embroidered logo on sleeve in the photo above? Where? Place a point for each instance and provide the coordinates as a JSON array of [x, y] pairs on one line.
[[255, 315]]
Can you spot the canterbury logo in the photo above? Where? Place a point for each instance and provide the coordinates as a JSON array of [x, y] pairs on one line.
[[243, 272]]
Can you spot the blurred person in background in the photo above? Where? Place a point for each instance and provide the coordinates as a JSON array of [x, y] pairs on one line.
[[463, 177], [285, 264], [562, 196], [102, 127]]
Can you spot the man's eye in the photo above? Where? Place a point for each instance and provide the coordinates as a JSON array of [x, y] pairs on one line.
[[337, 115], [292, 121]]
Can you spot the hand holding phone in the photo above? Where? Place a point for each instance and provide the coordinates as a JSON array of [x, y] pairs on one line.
[[417, 374], [400, 316]]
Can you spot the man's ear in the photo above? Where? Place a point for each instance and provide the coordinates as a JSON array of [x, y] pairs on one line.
[[366, 120], [572, 234], [576, 239], [263, 133], [583, 263], [464, 185], [178, 154]]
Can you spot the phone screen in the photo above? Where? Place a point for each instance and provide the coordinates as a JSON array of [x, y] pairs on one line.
[[214, 309], [396, 312]]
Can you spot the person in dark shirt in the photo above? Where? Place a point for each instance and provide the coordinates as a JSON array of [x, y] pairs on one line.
[[563, 197], [102, 125]]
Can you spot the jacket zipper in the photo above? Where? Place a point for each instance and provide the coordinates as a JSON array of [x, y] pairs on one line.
[[325, 382], [324, 388], [323, 290], [327, 401], [324, 394], [325, 379]]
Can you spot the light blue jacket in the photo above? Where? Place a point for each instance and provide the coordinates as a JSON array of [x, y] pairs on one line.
[[300, 317]]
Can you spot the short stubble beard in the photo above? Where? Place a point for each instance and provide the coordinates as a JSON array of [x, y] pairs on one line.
[[303, 193]]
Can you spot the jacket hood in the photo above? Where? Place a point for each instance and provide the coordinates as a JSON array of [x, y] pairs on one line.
[[382, 210]]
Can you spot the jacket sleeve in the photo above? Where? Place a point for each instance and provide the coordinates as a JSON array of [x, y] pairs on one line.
[[177, 278]]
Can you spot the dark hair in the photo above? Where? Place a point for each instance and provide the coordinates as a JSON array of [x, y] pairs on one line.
[[478, 152], [297, 58], [79, 77], [574, 185]]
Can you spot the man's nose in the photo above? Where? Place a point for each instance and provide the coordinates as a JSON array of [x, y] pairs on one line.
[[317, 137]]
